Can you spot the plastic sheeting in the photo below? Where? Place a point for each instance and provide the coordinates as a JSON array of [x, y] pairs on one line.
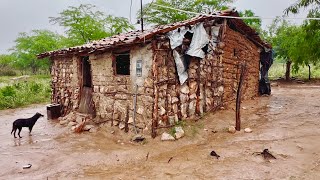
[[181, 67], [176, 37], [199, 40]]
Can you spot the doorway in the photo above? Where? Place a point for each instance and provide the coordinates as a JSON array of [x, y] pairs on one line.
[[86, 104]]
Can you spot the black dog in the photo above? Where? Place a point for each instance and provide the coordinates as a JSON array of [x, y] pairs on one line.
[[29, 122]]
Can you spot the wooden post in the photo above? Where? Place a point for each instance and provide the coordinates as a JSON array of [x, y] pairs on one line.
[[288, 69], [309, 72], [238, 101]]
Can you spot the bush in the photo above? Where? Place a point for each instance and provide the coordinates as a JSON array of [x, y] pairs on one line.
[[8, 91], [7, 72], [25, 93]]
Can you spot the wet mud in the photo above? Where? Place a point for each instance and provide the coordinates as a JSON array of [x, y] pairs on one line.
[[287, 123]]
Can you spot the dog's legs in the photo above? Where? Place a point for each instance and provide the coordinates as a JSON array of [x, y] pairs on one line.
[[14, 132], [30, 129], [19, 131]]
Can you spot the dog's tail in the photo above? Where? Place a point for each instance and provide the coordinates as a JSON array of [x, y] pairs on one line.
[[12, 129]]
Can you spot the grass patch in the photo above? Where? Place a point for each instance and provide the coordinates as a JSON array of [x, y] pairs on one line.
[[35, 90], [278, 70]]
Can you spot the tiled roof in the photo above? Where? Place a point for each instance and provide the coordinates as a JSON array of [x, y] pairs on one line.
[[138, 36]]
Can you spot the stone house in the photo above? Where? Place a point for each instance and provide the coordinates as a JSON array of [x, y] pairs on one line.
[[154, 78]]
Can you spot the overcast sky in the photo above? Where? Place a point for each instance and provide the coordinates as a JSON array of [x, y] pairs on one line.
[[26, 15]]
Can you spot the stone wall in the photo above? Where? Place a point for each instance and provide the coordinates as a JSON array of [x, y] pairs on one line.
[[65, 83], [202, 91], [113, 95], [238, 49]]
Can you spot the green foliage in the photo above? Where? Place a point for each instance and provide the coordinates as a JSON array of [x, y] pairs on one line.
[[295, 8], [8, 91], [153, 14], [84, 24], [25, 93], [6, 65], [254, 23], [29, 45]]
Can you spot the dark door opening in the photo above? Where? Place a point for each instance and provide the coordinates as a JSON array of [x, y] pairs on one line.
[[86, 72], [86, 104]]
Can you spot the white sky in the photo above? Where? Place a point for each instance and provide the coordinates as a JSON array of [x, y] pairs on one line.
[[26, 15]]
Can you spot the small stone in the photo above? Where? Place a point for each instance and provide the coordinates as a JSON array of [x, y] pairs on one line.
[[232, 129], [205, 129], [244, 108], [121, 126], [130, 120], [167, 137], [179, 132], [162, 111], [72, 124], [248, 130], [222, 108], [88, 127], [112, 132], [93, 130], [140, 111], [138, 138], [63, 122], [174, 100], [185, 89], [79, 119]]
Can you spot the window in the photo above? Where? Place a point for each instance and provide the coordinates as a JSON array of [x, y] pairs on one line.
[[122, 63]]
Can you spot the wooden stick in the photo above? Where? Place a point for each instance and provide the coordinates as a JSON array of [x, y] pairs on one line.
[[238, 101]]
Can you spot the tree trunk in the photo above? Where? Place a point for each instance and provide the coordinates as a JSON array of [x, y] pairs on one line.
[[288, 69], [309, 72]]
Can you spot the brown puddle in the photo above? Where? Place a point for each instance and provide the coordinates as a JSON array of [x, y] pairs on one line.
[[287, 123]]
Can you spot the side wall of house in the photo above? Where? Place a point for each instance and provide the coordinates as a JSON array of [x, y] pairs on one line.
[[113, 94], [238, 49], [65, 83], [202, 92]]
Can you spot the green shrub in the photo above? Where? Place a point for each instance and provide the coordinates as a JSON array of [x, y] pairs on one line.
[[37, 90], [8, 91]]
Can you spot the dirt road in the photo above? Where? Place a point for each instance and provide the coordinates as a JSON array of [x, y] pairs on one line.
[[287, 123]]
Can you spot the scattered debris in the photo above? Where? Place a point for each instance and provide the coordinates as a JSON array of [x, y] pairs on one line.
[[232, 129], [27, 166], [179, 132], [138, 138], [213, 153], [265, 154], [170, 159], [79, 127], [248, 130], [214, 131], [167, 137]]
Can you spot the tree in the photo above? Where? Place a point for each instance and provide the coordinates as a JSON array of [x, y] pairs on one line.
[[254, 23], [153, 14], [311, 29], [29, 45], [290, 43], [6, 61], [84, 24]]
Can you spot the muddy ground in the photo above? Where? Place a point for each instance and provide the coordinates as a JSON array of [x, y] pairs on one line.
[[287, 123]]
